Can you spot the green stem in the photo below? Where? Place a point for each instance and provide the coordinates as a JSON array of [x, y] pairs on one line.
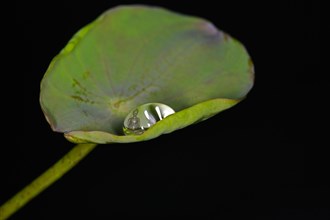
[[46, 179]]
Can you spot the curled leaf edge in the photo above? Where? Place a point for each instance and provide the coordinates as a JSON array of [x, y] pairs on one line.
[[179, 120]]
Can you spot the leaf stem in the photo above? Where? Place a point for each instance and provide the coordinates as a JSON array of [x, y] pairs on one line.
[[54, 173]]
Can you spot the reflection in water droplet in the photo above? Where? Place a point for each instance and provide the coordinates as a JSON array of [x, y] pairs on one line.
[[145, 116]]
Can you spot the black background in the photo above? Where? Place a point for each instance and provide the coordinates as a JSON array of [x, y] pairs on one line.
[[262, 159]]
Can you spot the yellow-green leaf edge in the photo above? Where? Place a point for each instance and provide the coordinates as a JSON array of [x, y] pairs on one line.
[[179, 120]]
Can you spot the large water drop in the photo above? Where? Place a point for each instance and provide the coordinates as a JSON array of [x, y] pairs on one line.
[[145, 116]]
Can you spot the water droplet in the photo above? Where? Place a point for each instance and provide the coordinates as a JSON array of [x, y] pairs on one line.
[[145, 116]]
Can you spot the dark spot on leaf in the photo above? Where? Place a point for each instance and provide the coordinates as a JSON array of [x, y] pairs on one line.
[[81, 99], [117, 104], [80, 90], [76, 83], [78, 98]]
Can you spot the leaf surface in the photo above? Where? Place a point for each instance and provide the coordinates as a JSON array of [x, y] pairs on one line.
[[132, 55]]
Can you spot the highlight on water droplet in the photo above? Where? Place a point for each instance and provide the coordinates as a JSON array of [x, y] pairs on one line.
[[145, 116]]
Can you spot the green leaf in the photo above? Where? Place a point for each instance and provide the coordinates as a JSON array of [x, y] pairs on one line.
[[132, 55]]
